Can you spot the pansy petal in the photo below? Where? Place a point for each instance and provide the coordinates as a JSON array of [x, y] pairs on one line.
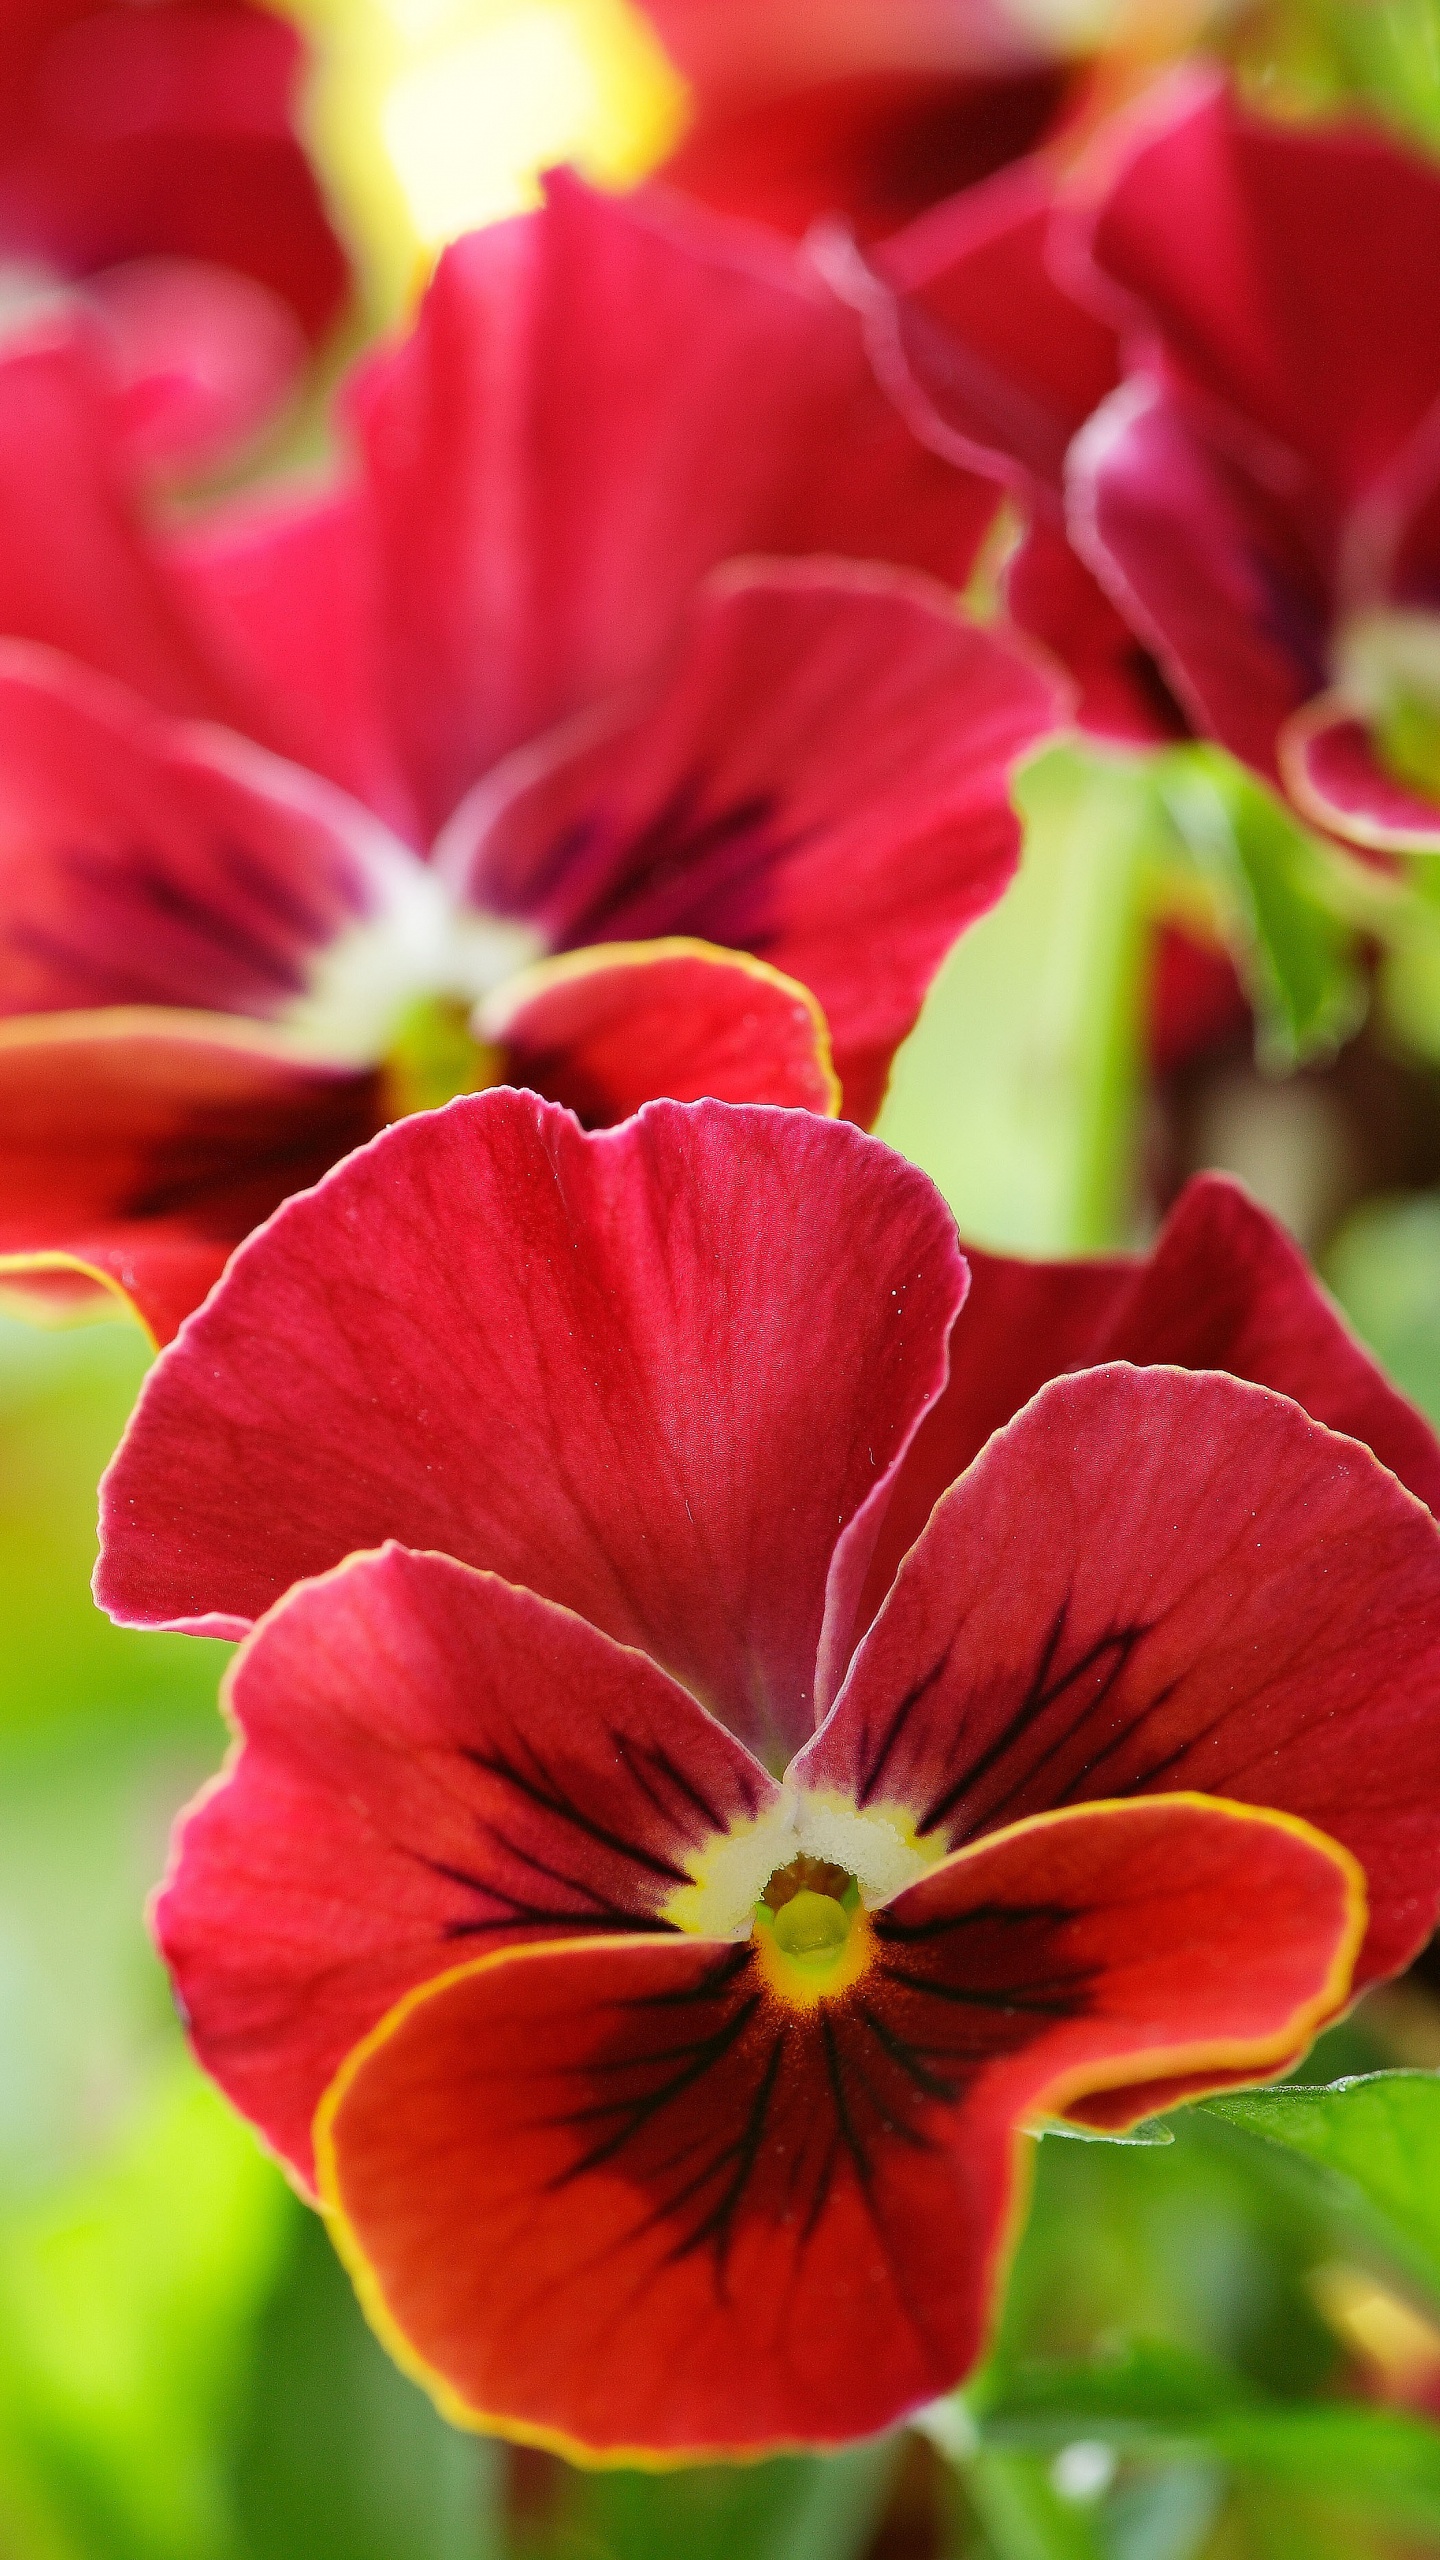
[[144, 1145], [625, 2199], [286, 591], [606, 1030], [876, 146], [1332, 772], [1254, 245], [151, 862], [77, 569], [1223, 1288], [599, 403], [987, 353], [1052, 596], [129, 133], [433, 1765], [202, 359], [823, 779], [1204, 563], [1151, 1581], [662, 1374]]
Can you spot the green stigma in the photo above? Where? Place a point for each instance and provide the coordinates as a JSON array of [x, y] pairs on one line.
[[812, 1928], [805, 1930], [433, 1056]]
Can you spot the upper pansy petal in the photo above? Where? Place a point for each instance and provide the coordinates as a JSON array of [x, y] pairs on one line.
[[144, 1145], [599, 403], [1150, 1581], [698, 2218], [662, 1374], [78, 569], [433, 1764], [286, 590], [129, 133], [822, 778], [1257, 250], [1223, 1288], [608, 1029], [877, 145], [145, 861], [992, 360], [1207, 566]]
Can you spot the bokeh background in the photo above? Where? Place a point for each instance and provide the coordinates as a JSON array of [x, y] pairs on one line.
[[1181, 978]]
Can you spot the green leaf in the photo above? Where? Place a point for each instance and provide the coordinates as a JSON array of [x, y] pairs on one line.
[[1376, 2142], [797, 2509], [1017, 1090], [1321, 56], [64, 1399], [336, 2456], [1162, 2404], [1384, 1267], [1296, 949], [1024, 2516], [126, 2307]]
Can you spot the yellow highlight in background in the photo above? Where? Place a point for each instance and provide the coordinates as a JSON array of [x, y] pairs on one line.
[[429, 116]]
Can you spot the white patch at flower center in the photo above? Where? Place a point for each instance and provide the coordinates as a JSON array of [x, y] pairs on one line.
[[366, 982], [877, 1846]]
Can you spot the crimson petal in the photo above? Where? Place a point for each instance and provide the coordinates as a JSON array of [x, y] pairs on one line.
[[822, 779], [1223, 1288], [78, 570], [1257, 249], [1332, 772], [150, 862], [433, 1764], [1152, 1581], [129, 133], [622, 2199], [662, 1374], [606, 1030], [1206, 565], [140, 1147], [598, 404]]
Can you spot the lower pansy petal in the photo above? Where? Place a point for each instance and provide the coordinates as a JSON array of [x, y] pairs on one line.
[[606, 1030], [1151, 1581], [432, 1764], [662, 1374], [141, 1146], [1330, 769], [635, 2198], [822, 778]]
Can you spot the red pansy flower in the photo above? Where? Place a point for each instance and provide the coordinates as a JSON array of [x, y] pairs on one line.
[[650, 1947], [1262, 496], [220, 970], [997, 364], [872, 108], [151, 152]]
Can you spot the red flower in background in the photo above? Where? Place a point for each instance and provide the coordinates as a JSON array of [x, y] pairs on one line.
[[1260, 497], [212, 959], [151, 152], [663, 2102], [872, 109]]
